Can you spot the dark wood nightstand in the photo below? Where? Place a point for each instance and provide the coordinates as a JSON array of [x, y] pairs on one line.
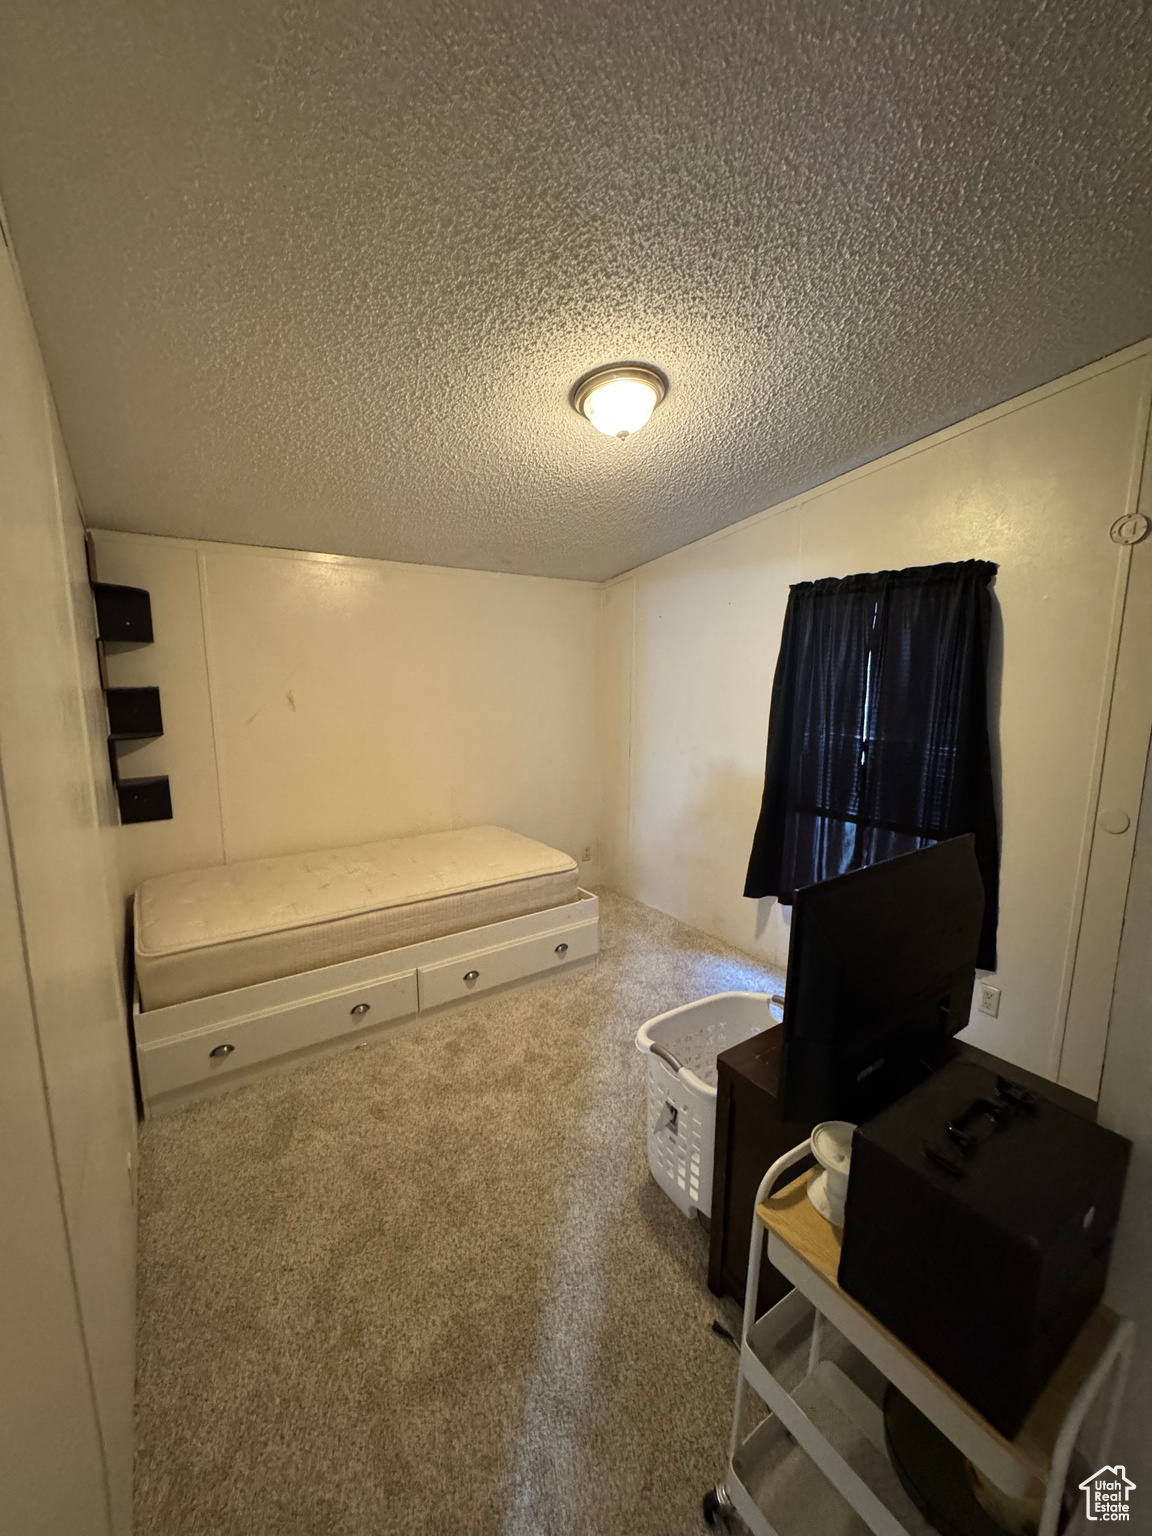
[[749, 1139]]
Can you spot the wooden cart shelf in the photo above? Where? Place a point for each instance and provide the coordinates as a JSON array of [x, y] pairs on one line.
[[805, 1248], [791, 1216]]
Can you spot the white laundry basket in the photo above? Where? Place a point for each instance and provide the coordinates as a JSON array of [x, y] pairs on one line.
[[682, 1093]]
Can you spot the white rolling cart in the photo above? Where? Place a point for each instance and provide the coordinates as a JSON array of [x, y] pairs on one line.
[[806, 1250]]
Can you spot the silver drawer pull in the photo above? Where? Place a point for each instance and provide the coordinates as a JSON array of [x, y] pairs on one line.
[[561, 949], [360, 1008], [471, 975], [222, 1050]]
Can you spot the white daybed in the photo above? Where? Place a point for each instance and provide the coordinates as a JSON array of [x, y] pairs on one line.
[[246, 963]]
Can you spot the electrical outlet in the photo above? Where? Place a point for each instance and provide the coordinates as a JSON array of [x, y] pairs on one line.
[[988, 999], [586, 856]]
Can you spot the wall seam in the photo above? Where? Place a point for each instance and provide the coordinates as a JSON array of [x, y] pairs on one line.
[[202, 599], [631, 733]]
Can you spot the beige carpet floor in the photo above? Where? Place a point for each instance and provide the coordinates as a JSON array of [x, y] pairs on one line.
[[430, 1286]]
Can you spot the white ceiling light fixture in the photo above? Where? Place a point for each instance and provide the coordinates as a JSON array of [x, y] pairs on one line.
[[620, 399]]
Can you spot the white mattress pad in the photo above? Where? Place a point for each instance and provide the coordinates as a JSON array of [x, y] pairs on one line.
[[205, 931]]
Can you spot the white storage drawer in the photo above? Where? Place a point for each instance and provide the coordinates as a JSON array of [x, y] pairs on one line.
[[181, 1060], [451, 979]]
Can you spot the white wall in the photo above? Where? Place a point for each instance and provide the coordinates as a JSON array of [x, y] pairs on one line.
[[1126, 1106], [311, 701], [614, 704], [1035, 486], [67, 1117], [52, 1472]]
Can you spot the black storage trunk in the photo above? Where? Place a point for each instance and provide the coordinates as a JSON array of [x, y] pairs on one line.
[[983, 1250]]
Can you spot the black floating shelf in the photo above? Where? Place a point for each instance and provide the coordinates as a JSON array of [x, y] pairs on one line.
[[123, 613], [134, 713], [144, 799]]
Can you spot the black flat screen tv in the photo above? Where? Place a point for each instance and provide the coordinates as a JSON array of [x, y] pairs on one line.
[[881, 968]]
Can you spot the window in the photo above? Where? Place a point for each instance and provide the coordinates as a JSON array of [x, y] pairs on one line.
[[878, 733]]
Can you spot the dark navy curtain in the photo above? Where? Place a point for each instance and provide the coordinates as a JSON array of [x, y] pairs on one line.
[[878, 731]]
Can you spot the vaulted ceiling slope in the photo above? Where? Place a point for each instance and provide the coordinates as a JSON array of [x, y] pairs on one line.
[[320, 273]]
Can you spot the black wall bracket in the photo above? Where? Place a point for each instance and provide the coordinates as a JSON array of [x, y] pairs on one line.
[[134, 713], [144, 799], [122, 613], [125, 614]]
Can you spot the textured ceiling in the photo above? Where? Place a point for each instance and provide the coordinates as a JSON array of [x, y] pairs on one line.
[[320, 273]]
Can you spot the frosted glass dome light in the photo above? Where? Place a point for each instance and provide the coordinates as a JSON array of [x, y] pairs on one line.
[[620, 400]]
